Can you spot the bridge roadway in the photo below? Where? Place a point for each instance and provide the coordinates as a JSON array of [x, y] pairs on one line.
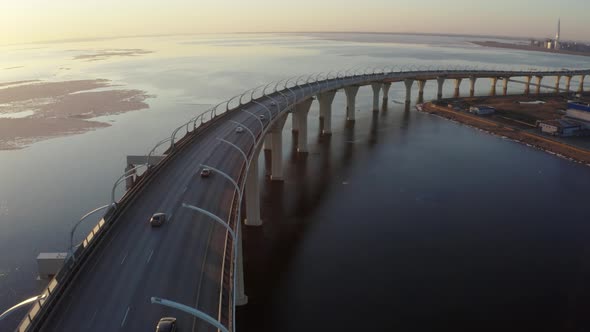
[[182, 260]]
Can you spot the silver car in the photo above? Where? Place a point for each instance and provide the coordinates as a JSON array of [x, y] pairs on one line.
[[157, 219], [166, 324]]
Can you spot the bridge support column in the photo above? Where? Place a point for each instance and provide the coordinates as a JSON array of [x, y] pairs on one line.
[[441, 82], [350, 92], [300, 113], [538, 88], [557, 83], [385, 88], [294, 124], [527, 86], [241, 298], [376, 89], [421, 85], [326, 99], [505, 81], [472, 81], [253, 195], [494, 81], [581, 87], [268, 141], [276, 173], [457, 87], [568, 83], [408, 82]]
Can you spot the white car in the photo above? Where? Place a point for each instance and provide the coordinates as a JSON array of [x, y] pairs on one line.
[[261, 117], [239, 130]]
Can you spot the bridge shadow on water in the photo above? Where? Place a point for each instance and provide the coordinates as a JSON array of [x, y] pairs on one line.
[[286, 206]]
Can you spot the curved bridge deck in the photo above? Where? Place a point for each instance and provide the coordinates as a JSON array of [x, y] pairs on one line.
[[188, 260]]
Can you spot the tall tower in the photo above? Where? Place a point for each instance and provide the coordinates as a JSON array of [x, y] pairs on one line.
[[558, 32]]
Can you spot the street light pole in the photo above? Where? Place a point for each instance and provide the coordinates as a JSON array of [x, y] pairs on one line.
[[23, 303], [234, 237], [247, 129], [254, 115], [190, 310], [73, 231], [264, 106]]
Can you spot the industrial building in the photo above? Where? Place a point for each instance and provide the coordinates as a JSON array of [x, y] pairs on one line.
[[578, 111], [561, 127]]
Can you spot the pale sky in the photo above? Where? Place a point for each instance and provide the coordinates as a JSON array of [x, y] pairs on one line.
[[41, 20]]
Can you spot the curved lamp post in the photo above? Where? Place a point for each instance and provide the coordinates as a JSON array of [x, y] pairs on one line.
[[191, 311], [257, 118], [247, 129], [122, 178], [73, 230], [267, 109], [22, 304]]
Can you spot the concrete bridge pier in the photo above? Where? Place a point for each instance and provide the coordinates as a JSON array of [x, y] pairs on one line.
[[527, 86], [385, 87], [408, 82], [472, 81], [268, 142], [557, 83], [253, 195], [276, 170], [300, 113], [325, 99], [568, 83], [505, 85], [421, 85], [457, 87], [440, 81], [494, 82], [538, 88], [241, 298], [294, 124], [350, 92], [376, 89], [581, 87]]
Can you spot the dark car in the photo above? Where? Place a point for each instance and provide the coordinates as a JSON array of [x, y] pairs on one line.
[[157, 219], [205, 173], [166, 324]]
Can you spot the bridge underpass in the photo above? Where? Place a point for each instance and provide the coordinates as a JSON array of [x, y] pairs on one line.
[[191, 259]]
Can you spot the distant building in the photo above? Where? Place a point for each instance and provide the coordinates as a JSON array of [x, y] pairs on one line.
[[482, 110], [549, 44], [578, 111], [562, 127]]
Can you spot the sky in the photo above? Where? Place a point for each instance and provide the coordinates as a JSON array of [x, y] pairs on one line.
[[24, 21]]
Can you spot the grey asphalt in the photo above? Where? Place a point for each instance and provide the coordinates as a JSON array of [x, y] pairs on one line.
[[180, 261]]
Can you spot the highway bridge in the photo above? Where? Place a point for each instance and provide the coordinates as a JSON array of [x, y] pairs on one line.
[[195, 259]]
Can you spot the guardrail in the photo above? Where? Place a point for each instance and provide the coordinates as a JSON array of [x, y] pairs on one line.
[[310, 85]]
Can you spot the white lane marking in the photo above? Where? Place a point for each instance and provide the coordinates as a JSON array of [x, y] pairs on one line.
[[150, 256], [124, 257], [125, 318]]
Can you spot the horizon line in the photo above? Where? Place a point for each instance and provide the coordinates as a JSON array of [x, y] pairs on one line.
[[89, 39]]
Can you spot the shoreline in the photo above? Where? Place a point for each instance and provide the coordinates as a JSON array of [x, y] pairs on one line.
[[527, 48], [539, 142]]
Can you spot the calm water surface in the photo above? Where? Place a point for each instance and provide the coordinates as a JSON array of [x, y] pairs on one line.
[[405, 220]]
